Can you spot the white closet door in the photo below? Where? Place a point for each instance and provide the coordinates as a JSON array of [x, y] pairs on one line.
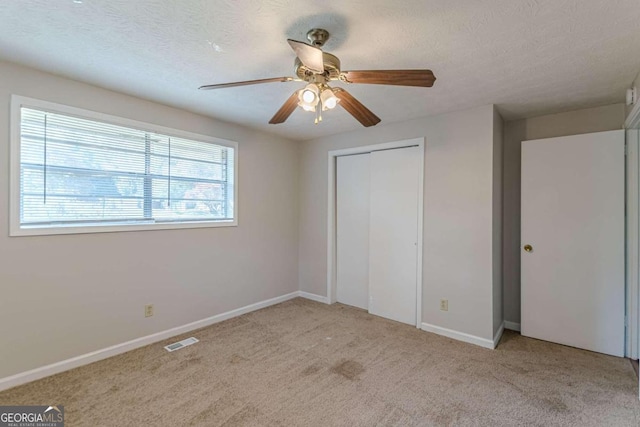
[[573, 241], [352, 230], [393, 233]]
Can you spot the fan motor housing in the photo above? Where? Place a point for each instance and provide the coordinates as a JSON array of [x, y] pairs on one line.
[[331, 68]]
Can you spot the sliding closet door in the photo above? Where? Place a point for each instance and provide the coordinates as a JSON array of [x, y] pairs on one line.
[[393, 233], [352, 230]]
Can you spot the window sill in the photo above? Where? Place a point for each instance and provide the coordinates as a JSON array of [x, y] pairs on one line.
[[17, 231]]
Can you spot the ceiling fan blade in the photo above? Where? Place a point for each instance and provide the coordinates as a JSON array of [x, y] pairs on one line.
[[422, 78], [355, 108], [246, 83], [310, 56], [285, 111]]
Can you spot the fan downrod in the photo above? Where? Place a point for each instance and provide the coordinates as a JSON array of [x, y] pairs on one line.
[[318, 36]]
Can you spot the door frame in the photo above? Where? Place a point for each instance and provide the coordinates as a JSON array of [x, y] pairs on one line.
[[632, 150], [632, 321], [331, 213]]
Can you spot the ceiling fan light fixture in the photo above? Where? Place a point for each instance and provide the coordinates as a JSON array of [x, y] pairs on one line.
[[309, 96], [329, 99]]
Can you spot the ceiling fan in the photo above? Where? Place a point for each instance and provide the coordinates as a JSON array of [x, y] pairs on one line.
[[318, 68]]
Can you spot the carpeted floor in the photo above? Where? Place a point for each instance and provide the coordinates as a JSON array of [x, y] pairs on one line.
[[302, 363]]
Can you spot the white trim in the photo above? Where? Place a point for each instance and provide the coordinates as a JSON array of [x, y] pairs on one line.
[[16, 231], [331, 213], [18, 101], [631, 349], [94, 356], [512, 326], [498, 335], [420, 236], [632, 124], [331, 230], [460, 336], [313, 297]]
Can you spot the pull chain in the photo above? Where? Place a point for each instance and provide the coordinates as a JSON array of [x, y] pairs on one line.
[[318, 112]]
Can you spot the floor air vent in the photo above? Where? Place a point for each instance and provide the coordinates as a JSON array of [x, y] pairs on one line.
[[180, 344]]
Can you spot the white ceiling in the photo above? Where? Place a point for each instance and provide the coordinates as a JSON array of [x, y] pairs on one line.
[[530, 57]]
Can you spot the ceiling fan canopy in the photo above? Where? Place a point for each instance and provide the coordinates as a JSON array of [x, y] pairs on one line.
[[318, 68]]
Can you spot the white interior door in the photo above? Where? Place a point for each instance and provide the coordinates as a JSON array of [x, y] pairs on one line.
[[573, 290], [352, 230], [393, 233]]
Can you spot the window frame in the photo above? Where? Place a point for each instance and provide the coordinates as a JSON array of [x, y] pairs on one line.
[[15, 228]]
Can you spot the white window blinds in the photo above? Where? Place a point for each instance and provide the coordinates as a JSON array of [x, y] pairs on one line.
[[76, 171]]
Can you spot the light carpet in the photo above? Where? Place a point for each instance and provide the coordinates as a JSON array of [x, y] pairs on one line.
[[302, 363]]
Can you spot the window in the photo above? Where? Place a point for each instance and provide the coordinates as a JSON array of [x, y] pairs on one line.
[[80, 171]]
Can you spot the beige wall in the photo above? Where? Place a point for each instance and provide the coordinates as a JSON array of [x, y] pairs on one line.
[[598, 119], [458, 218], [63, 296]]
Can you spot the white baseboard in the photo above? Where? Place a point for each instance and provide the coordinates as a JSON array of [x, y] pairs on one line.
[[313, 297], [512, 326], [94, 356], [498, 335], [460, 336]]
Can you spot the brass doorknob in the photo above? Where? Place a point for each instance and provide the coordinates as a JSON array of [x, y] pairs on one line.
[[528, 248]]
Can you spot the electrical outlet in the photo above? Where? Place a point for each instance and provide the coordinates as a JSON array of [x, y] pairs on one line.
[[148, 310], [444, 304]]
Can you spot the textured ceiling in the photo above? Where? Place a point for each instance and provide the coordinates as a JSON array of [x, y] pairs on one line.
[[529, 57]]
